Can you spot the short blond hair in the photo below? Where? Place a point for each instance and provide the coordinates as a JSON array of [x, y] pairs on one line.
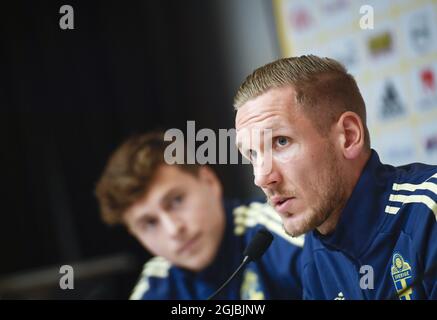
[[323, 88]]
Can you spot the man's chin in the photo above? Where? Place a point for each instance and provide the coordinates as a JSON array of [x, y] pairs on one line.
[[199, 262], [296, 232], [296, 226]]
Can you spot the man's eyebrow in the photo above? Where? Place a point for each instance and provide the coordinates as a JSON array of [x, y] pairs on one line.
[[170, 193], [144, 215], [281, 127]]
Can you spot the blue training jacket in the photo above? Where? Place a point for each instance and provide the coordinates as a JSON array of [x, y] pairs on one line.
[[385, 238], [275, 276]]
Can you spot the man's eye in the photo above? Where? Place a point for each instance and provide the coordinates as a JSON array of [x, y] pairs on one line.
[[148, 224], [177, 200], [282, 141]]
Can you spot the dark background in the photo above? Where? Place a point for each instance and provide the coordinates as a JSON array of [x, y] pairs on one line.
[[68, 98]]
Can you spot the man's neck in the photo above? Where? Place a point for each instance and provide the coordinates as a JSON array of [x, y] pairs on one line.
[[329, 225]]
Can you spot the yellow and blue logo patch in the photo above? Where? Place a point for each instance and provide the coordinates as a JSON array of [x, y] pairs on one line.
[[402, 276]]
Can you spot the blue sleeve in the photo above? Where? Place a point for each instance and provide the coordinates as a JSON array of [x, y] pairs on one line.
[[152, 289], [425, 244], [427, 237], [431, 262]]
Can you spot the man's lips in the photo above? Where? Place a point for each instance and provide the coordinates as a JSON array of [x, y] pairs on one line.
[[187, 245], [281, 204]]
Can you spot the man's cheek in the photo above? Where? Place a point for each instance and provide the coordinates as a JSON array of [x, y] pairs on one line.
[[153, 241], [287, 155]]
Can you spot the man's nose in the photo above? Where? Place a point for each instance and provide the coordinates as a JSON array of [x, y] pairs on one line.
[[266, 176], [173, 225]]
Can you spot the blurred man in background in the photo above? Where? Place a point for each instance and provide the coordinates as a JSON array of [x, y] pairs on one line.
[[178, 214], [373, 226]]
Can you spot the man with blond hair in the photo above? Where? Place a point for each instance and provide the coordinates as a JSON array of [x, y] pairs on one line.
[[371, 228]]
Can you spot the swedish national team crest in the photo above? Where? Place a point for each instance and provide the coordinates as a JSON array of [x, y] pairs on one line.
[[251, 288], [402, 276]]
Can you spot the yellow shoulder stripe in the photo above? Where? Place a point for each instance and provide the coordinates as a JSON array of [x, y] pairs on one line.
[[430, 203], [413, 198], [431, 186], [156, 267], [262, 214]]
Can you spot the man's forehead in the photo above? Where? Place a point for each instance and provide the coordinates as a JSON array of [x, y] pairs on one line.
[[168, 179], [264, 108]]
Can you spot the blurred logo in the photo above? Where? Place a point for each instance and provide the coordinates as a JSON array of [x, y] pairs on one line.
[[380, 44], [391, 105], [334, 6], [300, 19], [428, 81], [420, 32], [426, 90], [431, 144]]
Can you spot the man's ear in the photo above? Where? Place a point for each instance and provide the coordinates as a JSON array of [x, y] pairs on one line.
[[350, 134], [208, 176]]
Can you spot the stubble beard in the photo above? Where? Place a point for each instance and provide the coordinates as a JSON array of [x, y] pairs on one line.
[[329, 191]]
